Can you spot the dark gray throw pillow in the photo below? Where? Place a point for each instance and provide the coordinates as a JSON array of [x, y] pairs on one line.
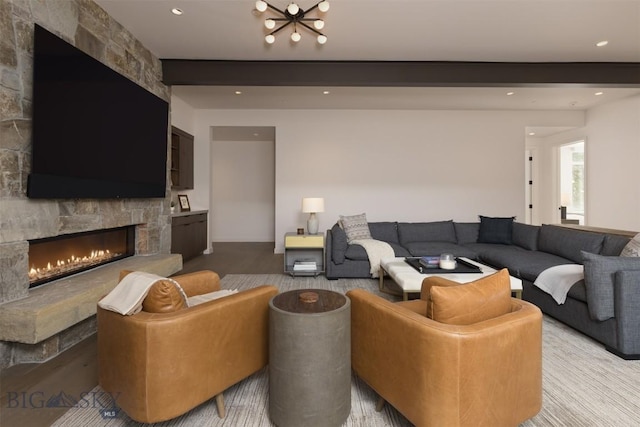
[[495, 230], [599, 278]]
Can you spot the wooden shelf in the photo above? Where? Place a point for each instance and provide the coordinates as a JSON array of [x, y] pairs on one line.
[[181, 159]]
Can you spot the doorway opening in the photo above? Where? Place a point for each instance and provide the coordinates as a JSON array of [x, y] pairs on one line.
[[572, 183], [242, 184]]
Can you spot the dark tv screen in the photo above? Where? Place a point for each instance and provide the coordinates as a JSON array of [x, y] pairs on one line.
[[96, 134]]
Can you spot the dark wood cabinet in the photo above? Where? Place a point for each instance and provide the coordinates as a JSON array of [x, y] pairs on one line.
[[189, 235], [181, 159]]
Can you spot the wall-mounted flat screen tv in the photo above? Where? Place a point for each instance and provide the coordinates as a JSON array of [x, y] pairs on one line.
[[96, 134]]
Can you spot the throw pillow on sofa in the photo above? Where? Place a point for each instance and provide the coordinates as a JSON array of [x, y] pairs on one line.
[[495, 230], [599, 277], [632, 248], [355, 226]]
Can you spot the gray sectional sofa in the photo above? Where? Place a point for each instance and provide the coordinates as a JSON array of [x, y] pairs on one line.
[[605, 305]]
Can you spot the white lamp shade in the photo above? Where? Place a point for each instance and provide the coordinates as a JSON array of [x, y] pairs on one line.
[[295, 36], [318, 24], [270, 38], [270, 24], [322, 39], [312, 204]]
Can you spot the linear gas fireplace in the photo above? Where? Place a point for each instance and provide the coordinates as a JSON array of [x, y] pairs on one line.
[[55, 257]]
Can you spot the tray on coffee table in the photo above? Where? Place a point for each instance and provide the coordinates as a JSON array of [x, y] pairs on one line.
[[462, 266]]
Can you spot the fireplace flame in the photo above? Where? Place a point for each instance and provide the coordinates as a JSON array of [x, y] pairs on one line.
[[63, 266]]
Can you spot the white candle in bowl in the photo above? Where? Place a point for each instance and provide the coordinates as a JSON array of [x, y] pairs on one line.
[[447, 262]]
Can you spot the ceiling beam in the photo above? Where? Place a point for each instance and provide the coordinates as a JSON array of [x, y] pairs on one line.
[[399, 73]]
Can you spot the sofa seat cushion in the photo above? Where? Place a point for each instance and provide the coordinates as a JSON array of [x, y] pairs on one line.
[[569, 243], [437, 248], [521, 263], [358, 253], [470, 303], [436, 231]]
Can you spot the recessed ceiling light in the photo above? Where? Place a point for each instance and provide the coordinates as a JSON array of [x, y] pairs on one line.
[[598, 93], [177, 11], [326, 92], [238, 92], [532, 133], [510, 93], [602, 43]]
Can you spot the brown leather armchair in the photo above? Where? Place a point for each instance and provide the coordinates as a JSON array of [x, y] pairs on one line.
[[162, 364], [479, 364]]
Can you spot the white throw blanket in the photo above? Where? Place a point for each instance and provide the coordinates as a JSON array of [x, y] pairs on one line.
[[126, 298], [376, 250], [556, 281]]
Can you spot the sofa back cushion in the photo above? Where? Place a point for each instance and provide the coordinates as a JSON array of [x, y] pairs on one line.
[[437, 231], [526, 236], [466, 232], [473, 302], [568, 243], [385, 231], [614, 244]]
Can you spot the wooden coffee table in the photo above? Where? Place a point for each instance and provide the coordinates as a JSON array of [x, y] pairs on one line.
[[409, 280]]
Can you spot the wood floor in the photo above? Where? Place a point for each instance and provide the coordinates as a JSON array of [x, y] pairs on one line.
[[25, 389]]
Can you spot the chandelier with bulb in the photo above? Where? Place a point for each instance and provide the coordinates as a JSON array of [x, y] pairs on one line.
[[296, 16]]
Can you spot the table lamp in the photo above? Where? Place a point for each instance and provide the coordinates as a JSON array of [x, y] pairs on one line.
[[312, 205]]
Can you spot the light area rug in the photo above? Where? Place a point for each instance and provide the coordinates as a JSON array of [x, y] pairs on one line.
[[583, 384]]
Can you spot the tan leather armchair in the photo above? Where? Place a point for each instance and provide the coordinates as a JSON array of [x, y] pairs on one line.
[[162, 364], [487, 372]]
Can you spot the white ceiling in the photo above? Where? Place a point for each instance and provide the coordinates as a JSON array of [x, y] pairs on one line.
[[402, 30]]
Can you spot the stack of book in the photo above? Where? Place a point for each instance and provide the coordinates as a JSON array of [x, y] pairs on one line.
[[429, 261], [305, 266]]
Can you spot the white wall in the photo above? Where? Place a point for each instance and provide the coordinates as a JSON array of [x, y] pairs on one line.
[[242, 190], [612, 143], [393, 165]]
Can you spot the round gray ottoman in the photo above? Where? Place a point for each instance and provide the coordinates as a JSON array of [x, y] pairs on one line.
[[309, 358]]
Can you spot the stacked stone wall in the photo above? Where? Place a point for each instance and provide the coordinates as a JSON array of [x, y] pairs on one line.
[[87, 26]]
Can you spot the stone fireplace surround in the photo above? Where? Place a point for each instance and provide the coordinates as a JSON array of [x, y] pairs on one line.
[[37, 324]]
